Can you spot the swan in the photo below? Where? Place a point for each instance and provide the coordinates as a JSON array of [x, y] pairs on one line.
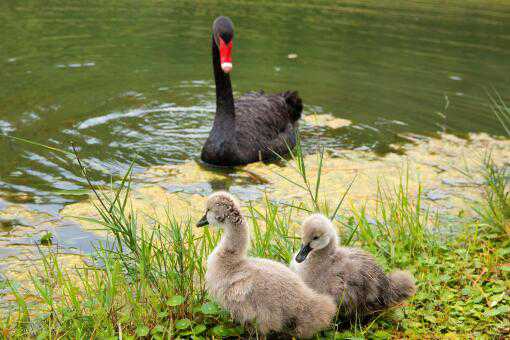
[[350, 275], [255, 126], [264, 292]]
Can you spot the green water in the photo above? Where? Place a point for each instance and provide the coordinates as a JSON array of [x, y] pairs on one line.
[[128, 81]]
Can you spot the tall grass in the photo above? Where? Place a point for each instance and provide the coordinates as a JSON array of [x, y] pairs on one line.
[[495, 210], [271, 235], [400, 228], [148, 280], [500, 110]]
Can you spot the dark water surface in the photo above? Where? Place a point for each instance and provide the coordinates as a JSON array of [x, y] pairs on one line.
[[128, 81]]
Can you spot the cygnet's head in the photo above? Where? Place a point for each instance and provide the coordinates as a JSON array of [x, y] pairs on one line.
[[222, 208], [317, 233]]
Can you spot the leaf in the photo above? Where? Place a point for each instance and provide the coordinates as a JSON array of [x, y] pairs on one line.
[[158, 329], [199, 329], [41, 145], [382, 335], [46, 239], [182, 324], [41, 336], [503, 309], [503, 252], [186, 333], [430, 318], [494, 300], [343, 335], [209, 308], [74, 192], [142, 330], [175, 300], [505, 267], [466, 291], [221, 331]]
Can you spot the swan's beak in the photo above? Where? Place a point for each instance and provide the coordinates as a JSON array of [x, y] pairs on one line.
[[203, 221], [303, 253], [226, 55]]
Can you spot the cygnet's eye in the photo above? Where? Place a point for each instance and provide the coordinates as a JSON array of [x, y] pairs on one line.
[[316, 237]]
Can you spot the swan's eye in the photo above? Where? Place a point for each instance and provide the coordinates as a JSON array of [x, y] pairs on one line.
[[316, 238]]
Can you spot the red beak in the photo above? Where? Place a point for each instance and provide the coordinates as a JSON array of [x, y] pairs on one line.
[[225, 55]]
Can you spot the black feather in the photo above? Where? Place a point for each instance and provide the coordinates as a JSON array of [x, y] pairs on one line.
[[252, 128]]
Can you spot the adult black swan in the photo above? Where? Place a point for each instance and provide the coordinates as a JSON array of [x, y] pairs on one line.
[[255, 126]]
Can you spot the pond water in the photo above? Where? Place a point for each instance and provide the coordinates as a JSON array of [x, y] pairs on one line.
[[128, 81]]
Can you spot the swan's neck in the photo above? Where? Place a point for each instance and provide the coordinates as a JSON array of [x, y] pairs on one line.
[[235, 240], [224, 96]]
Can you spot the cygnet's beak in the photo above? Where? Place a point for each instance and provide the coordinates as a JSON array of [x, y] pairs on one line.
[[203, 221], [303, 253]]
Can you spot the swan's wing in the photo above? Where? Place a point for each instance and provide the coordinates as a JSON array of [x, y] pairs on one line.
[[273, 108], [265, 124], [282, 142], [241, 288], [266, 116]]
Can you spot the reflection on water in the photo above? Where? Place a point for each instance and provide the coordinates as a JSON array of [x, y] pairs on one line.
[[133, 82]]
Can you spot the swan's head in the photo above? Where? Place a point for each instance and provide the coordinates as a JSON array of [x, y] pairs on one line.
[[223, 35], [317, 233], [222, 209]]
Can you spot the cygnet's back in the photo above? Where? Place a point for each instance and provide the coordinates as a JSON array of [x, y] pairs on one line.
[[271, 294], [348, 274], [255, 289]]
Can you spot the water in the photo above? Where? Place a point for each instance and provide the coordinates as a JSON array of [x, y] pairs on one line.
[[128, 82]]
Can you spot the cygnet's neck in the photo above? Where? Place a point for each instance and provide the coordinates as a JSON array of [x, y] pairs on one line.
[[235, 239]]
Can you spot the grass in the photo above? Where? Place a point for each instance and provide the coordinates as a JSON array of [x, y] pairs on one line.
[[496, 212], [148, 281]]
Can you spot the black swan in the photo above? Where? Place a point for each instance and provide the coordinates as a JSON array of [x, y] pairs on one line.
[[255, 126]]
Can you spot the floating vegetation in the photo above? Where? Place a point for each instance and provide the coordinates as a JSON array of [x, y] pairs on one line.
[[326, 120]]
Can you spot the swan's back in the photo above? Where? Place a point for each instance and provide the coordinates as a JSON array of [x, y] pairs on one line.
[[263, 125], [275, 108], [356, 281], [366, 282]]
